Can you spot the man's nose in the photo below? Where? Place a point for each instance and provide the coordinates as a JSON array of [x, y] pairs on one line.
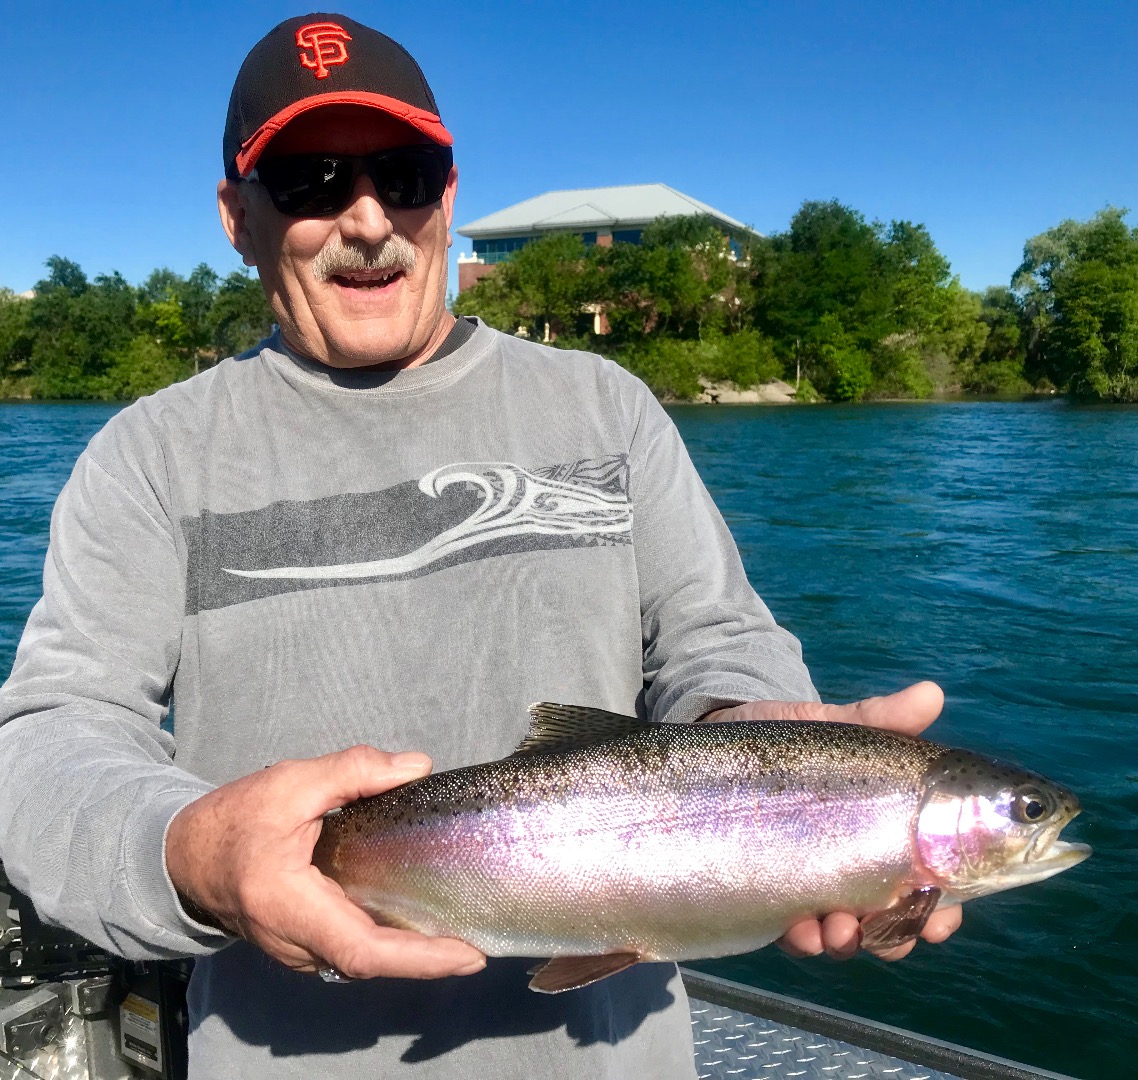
[[365, 217]]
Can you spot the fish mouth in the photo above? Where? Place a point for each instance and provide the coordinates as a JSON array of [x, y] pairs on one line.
[[1047, 855], [1064, 853]]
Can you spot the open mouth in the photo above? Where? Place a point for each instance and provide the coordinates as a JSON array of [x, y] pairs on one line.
[[368, 280], [1060, 854], [1047, 854]]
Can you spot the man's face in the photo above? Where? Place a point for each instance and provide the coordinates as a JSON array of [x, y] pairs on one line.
[[353, 319]]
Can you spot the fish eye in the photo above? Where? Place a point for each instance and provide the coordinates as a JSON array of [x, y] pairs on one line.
[[1031, 805]]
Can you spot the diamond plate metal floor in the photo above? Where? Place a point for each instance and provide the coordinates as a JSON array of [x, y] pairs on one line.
[[735, 1045]]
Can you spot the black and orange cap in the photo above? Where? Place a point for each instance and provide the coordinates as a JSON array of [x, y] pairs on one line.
[[315, 60]]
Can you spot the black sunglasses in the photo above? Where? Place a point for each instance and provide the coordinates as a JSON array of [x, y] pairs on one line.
[[319, 185]]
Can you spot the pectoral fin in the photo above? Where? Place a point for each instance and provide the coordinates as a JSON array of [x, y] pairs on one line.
[[900, 923], [570, 972]]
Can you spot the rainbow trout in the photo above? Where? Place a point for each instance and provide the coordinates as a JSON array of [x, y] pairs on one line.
[[604, 840]]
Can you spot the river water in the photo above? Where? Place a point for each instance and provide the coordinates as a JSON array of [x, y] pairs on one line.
[[990, 546]]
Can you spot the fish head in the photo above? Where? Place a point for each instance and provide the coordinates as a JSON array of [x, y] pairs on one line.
[[985, 826]]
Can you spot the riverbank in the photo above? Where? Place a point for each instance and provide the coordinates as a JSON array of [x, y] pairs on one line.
[[777, 392], [774, 392]]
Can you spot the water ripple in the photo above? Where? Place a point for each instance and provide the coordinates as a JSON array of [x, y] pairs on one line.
[[994, 548]]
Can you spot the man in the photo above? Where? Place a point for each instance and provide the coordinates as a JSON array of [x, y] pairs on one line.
[[382, 528]]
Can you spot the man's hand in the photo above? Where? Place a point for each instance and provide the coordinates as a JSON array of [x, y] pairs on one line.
[[243, 853], [909, 711]]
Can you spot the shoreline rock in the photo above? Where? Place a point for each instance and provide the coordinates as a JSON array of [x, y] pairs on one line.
[[775, 392]]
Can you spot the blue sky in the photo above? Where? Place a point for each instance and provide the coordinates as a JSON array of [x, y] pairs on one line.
[[989, 122]]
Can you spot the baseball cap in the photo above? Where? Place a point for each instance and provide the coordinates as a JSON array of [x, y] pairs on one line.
[[322, 59]]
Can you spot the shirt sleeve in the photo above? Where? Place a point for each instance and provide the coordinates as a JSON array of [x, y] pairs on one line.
[[709, 641], [90, 786]]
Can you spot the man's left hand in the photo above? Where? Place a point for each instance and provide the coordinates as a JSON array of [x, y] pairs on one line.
[[909, 711]]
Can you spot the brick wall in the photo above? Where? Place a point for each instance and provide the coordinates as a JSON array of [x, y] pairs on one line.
[[469, 273]]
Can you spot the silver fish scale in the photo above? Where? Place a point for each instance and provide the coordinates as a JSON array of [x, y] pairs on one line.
[[731, 1045]]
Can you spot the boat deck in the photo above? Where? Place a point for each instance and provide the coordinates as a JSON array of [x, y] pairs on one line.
[[743, 1033], [731, 1045]]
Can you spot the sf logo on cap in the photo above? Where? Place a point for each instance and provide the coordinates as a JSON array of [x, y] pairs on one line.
[[326, 40]]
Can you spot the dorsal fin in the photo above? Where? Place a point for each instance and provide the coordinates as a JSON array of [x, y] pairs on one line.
[[568, 727]]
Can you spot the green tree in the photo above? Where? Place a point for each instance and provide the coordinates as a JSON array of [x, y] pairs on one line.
[[916, 274], [62, 274], [178, 312], [823, 295], [998, 365], [670, 366], [197, 298], [828, 263], [841, 366], [547, 283], [141, 367], [954, 339], [15, 345], [1079, 287], [679, 281], [76, 327], [239, 316]]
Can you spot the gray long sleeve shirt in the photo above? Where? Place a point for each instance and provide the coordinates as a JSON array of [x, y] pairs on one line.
[[303, 560]]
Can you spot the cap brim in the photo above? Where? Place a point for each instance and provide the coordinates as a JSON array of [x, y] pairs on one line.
[[425, 122]]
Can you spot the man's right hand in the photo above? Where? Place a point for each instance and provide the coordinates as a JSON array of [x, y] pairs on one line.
[[243, 853]]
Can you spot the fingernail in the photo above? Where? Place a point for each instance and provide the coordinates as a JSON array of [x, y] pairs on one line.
[[470, 969], [410, 759]]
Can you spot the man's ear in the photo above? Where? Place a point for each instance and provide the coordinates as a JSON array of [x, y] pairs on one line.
[[449, 192], [233, 212]]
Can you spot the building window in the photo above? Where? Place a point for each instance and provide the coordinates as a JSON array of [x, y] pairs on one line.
[[589, 238], [626, 236], [736, 247], [496, 251]]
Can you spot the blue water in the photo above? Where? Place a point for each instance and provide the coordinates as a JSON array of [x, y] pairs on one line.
[[992, 547]]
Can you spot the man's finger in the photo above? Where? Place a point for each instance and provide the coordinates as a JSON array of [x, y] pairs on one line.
[[841, 935], [803, 939], [895, 953], [356, 773], [339, 933], [362, 950], [909, 711], [942, 924]]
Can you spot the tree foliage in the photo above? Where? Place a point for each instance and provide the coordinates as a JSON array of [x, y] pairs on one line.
[[862, 309], [995, 362], [858, 309], [107, 339], [1078, 286]]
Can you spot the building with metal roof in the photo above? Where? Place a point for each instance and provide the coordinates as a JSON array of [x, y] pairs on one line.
[[601, 216]]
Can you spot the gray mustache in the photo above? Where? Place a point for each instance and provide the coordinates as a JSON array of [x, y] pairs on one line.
[[338, 257]]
